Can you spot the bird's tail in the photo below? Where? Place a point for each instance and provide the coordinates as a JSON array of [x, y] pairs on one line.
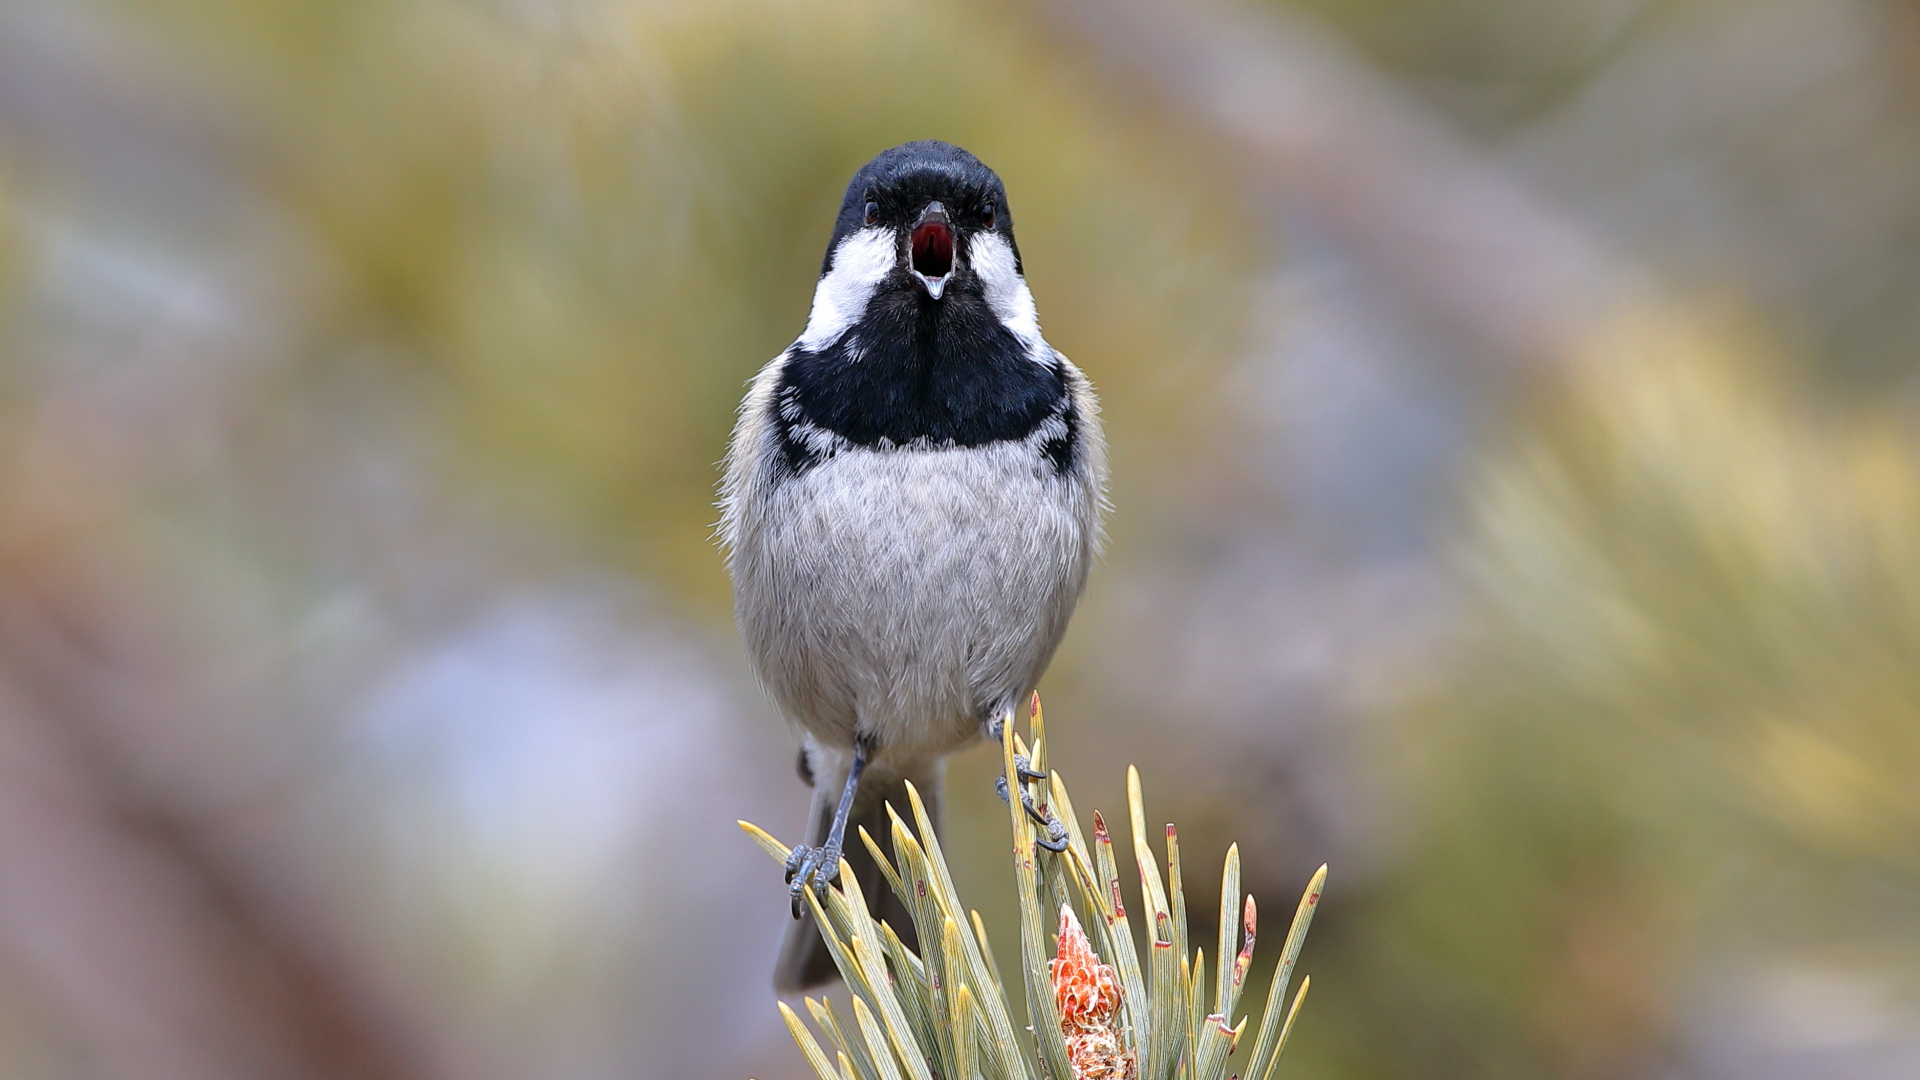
[[804, 961]]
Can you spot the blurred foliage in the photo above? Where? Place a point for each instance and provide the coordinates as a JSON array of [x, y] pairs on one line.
[[1495, 63], [1761, 147], [1683, 741]]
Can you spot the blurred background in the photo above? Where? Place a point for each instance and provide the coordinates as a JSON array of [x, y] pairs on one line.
[[1518, 507]]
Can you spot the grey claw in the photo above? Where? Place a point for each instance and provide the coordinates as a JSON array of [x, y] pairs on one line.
[[799, 869], [826, 867], [810, 867], [1056, 838]]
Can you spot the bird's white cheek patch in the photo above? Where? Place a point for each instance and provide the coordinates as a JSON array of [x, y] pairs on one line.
[[860, 263], [1005, 289]]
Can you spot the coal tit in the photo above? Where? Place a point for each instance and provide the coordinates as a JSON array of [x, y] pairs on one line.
[[913, 494]]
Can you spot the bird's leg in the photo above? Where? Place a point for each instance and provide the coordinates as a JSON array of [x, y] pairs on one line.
[[1055, 839], [996, 731], [818, 867]]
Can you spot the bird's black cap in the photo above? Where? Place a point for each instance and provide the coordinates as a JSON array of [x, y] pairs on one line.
[[902, 181]]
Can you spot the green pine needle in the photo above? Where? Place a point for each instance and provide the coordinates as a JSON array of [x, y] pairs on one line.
[[944, 1012]]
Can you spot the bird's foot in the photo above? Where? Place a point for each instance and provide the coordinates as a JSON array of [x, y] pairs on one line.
[[817, 867], [1055, 839]]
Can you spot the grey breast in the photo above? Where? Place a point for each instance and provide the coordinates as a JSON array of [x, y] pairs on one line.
[[907, 591]]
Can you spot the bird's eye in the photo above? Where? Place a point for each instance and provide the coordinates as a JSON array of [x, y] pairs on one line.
[[993, 210], [873, 212]]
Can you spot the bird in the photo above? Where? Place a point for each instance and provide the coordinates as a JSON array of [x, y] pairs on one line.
[[913, 494]]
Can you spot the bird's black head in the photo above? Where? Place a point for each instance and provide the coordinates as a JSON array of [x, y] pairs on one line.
[[922, 331], [935, 202]]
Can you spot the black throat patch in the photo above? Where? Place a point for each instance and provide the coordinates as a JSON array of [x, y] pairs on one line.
[[916, 371]]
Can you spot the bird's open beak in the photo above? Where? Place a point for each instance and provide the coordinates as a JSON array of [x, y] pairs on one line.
[[932, 249]]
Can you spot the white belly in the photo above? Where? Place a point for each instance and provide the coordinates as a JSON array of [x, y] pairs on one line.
[[907, 593]]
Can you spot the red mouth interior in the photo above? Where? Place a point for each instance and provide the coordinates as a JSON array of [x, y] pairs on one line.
[[933, 249]]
